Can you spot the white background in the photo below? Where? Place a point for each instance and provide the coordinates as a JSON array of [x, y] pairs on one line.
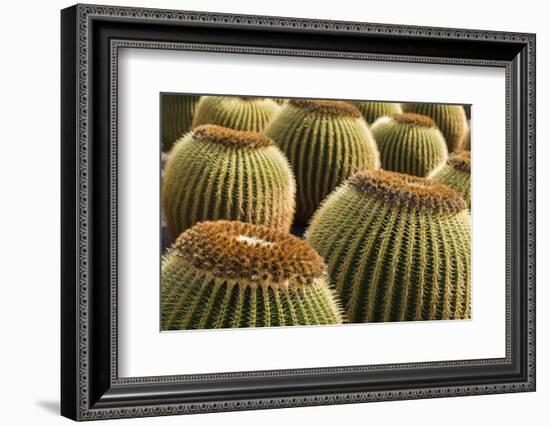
[[143, 351], [29, 225]]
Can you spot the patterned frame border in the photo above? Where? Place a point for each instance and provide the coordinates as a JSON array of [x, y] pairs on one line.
[[87, 12]]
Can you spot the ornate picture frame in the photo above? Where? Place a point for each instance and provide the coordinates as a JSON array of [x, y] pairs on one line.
[[91, 38]]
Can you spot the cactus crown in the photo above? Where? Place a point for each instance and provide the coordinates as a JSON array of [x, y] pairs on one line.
[[399, 190], [415, 119], [334, 108], [229, 137], [461, 161], [255, 253]]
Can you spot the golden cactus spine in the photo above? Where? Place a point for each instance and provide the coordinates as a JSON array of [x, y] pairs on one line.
[[397, 247], [410, 143], [234, 274], [235, 112], [451, 120], [177, 116], [217, 173], [456, 174], [326, 142], [371, 111]]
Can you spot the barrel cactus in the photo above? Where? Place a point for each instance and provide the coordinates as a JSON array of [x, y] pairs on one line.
[[451, 120], [235, 112], [410, 143], [177, 116], [326, 142], [397, 248], [456, 174], [233, 274], [373, 110], [219, 173]]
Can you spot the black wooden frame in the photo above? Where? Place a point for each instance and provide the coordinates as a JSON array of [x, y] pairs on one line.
[[91, 37]]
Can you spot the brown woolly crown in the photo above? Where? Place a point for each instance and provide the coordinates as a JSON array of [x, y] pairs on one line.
[[400, 190], [252, 253], [461, 161], [415, 119], [229, 137], [335, 108]]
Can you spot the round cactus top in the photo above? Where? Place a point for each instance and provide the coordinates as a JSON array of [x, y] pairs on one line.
[[414, 119], [461, 161], [254, 254], [334, 108], [400, 190], [229, 137]]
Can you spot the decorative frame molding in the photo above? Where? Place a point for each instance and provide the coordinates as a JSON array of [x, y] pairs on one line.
[[85, 396]]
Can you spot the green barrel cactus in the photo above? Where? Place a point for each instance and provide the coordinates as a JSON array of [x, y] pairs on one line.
[[218, 173], [326, 142], [451, 120], [234, 274], [409, 143], [397, 248], [456, 174], [235, 112], [373, 110], [177, 116]]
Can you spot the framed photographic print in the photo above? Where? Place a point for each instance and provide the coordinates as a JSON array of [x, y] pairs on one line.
[[263, 212]]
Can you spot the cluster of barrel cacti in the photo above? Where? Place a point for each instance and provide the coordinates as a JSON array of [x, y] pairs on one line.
[[281, 212]]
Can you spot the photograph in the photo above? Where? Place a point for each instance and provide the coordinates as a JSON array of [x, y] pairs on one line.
[[283, 212]]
